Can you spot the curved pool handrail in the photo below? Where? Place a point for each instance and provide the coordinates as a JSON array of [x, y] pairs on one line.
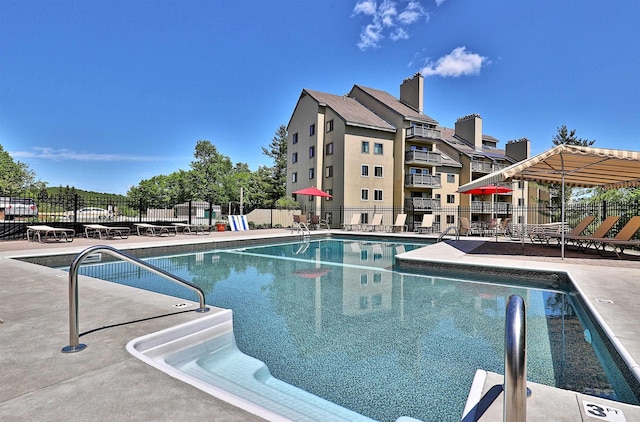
[[515, 361], [74, 336]]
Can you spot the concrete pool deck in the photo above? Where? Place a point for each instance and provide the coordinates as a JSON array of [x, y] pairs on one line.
[[104, 382]]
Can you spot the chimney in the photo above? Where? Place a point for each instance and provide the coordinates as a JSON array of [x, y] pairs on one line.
[[412, 92], [518, 149], [469, 128]]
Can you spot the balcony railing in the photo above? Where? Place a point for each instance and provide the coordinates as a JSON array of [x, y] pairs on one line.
[[481, 167], [422, 181], [422, 157], [423, 132], [488, 207], [422, 203]]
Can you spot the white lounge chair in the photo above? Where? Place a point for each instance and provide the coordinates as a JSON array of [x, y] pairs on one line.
[[145, 229], [186, 228], [44, 233], [376, 222], [354, 224], [101, 232], [399, 224], [426, 225]]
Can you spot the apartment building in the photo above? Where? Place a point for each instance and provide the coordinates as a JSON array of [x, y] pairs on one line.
[[371, 150]]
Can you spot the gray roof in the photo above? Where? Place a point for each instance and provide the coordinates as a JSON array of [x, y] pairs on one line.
[[409, 113], [449, 137], [350, 110]]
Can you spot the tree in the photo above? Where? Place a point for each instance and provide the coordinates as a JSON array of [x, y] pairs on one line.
[[278, 172], [210, 174], [15, 176], [566, 137]]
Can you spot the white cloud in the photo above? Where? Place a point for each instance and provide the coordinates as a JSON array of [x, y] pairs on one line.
[[47, 153], [386, 21], [439, 2], [457, 63]]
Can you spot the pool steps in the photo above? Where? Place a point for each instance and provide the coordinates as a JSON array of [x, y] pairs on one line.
[[203, 353]]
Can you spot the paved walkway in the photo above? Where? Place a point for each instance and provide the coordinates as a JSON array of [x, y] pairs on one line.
[[104, 382]]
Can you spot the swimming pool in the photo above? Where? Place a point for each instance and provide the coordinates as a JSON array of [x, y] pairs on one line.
[[332, 318]]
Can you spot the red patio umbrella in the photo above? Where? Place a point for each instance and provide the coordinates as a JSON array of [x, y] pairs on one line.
[[488, 190], [312, 191]]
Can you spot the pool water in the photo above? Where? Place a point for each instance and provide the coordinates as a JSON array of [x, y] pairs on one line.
[[332, 318]]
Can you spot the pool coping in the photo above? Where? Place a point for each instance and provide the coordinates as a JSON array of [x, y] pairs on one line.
[[16, 319]]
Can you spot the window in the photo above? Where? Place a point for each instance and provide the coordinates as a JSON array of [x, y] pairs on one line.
[[520, 202], [330, 192], [364, 279], [311, 173], [364, 194], [312, 130], [451, 199], [312, 152], [294, 157], [330, 125], [377, 149], [328, 171], [295, 138], [377, 277], [365, 147], [364, 170], [329, 149], [451, 178], [377, 171], [294, 177], [437, 196], [377, 194], [451, 219], [520, 184]]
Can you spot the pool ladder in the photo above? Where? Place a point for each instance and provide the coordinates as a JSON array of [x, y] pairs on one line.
[[74, 336], [304, 230]]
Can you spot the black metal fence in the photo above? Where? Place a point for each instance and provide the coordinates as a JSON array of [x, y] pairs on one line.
[[75, 210]]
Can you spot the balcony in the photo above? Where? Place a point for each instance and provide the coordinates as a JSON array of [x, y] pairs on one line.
[[419, 204], [423, 132], [422, 157], [422, 181], [482, 167]]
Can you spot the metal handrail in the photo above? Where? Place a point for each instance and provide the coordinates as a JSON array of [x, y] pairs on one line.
[[74, 336], [303, 229], [447, 230], [515, 361]]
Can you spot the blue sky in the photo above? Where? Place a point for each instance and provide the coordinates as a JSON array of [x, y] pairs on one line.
[[103, 94]]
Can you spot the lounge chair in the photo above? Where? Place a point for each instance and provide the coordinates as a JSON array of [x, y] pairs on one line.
[[466, 228], [543, 233], [108, 232], [145, 229], [426, 225], [577, 230], [44, 233], [376, 222], [354, 224], [399, 224], [317, 222], [621, 240], [583, 242], [186, 228]]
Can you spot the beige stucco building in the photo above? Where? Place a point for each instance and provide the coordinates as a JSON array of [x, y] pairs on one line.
[[374, 152]]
